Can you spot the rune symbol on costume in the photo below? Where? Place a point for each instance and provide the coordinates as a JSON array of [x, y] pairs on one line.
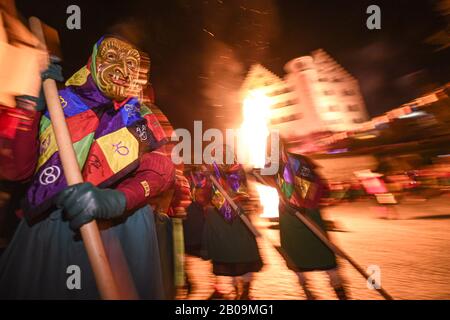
[[45, 144], [120, 149], [63, 102], [130, 109], [142, 132], [94, 162], [49, 175], [306, 172]]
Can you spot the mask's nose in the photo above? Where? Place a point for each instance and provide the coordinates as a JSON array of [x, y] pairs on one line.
[[125, 68], [121, 71]]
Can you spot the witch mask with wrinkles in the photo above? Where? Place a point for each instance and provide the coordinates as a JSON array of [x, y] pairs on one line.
[[119, 69]]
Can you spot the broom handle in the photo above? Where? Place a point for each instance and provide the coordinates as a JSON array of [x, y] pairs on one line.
[[3, 35], [91, 236]]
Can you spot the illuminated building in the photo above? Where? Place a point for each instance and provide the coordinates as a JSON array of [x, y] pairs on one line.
[[316, 95]]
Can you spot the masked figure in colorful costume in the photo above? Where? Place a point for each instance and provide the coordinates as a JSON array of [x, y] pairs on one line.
[[302, 188], [170, 208], [117, 141], [227, 241], [194, 222]]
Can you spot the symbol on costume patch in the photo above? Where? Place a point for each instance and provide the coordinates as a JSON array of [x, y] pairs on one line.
[[94, 161], [306, 172], [49, 175], [122, 150], [142, 132], [63, 102], [44, 144], [130, 109]]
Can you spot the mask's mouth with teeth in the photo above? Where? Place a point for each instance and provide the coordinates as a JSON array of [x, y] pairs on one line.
[[119, 80]]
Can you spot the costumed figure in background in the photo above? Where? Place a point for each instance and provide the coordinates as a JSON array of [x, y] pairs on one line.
[[193, 224], [170, 209], [302, 188], [227, 241], [116, 139]]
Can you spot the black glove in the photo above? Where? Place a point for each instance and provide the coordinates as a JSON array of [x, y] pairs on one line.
[[54, 72], [83, 203]]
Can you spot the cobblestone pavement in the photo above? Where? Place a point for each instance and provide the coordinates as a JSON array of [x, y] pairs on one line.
[[412, 250]]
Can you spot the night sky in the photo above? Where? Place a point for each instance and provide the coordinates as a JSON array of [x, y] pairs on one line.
[[201, 50]]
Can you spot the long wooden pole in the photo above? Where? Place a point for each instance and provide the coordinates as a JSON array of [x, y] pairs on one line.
[[91, 236], [317, 231]]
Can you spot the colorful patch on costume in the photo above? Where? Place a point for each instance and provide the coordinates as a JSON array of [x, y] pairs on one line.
[[82, 124], [48, 181], [154, 125], [145, 110], [299, 183], [96, 169], [45, 122], [144, 135], [71, 103], [287, 189], [130, 112], [302, 186], [78, 78], [47, 146], [232, 178], [120, 149], [82, 148]]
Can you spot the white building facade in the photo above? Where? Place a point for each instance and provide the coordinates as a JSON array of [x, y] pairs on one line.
[[316, 95]]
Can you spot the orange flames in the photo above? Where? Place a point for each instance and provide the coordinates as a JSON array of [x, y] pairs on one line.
[[254, 134]]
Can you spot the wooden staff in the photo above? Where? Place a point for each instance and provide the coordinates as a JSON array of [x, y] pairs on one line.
[[319, 233], [101, 268]]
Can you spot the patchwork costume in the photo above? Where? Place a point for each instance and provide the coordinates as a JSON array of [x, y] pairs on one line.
[[227, 242], [117, 142], [194, 223], [170, 208], [302, 188]]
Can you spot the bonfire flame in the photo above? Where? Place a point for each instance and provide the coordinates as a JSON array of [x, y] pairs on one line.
[[268, 197], [254, 134], [254, 129]]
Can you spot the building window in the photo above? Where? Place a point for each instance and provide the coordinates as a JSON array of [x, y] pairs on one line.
[[352, 107], [348, 92], [279, 92], [285, 119], [284, 90], [333, 108], [282, 104]]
